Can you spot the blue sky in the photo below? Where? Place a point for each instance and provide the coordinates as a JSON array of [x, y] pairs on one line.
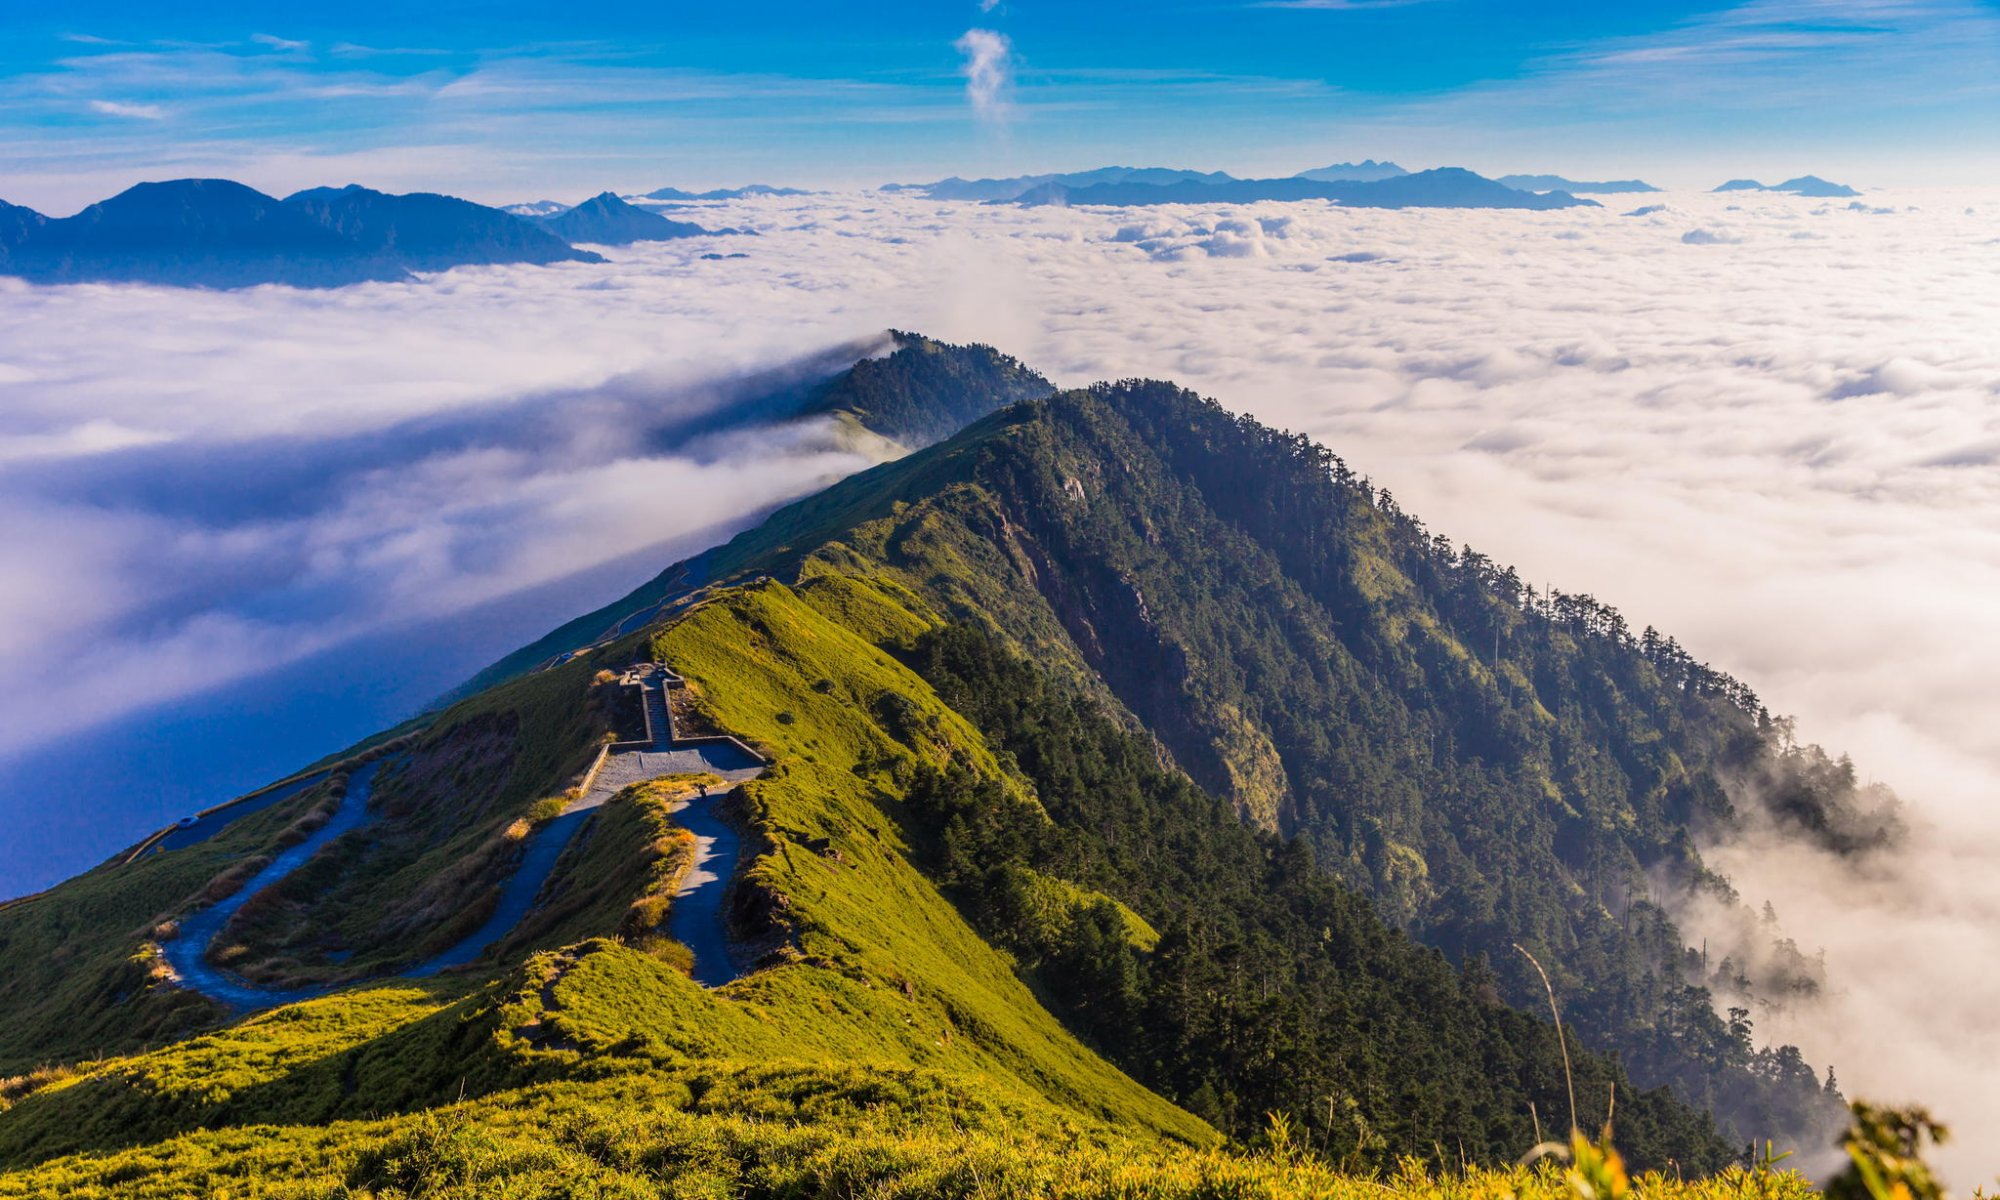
[[512, 101]]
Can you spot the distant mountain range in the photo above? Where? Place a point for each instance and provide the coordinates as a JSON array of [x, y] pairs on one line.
[[989, 190], [1440, 187], [1365, 170], [216, 233], [1556, 183], [739, 193], [1366, 184], [424, 231], [1804, 185], [605, 220]]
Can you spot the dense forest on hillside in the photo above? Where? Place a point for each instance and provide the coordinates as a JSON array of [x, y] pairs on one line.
[[1542, 761], [1124, 754], [1489, 763], [1271, 987]]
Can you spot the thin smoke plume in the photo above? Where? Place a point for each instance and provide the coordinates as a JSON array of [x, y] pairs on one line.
[[989, 73]]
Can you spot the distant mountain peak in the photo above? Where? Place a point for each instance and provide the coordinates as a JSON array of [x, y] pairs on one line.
[[1365, 171], [1803, 185], [224, 234], [607, 220]]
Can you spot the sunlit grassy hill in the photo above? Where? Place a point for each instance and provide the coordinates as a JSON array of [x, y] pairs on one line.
[[1136, 783]]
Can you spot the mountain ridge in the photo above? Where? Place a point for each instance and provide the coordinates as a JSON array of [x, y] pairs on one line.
[[222, 234], [1439, 187], [1557, 183], [1120, 745]]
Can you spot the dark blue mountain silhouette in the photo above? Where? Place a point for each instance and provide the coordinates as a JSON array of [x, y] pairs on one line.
[[605, 220], [221, 234], [1575, 187], [1440, 187], [1365, 170], [16, 225], [1743, 185], [423, 231], [202, 232]]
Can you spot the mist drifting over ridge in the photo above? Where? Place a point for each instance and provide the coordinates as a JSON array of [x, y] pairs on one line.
[[1776, 442]]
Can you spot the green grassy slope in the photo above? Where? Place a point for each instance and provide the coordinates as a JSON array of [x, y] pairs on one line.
[[1306, 655], [1491, 765], [864, 962], [778, 1130], [81, 975]]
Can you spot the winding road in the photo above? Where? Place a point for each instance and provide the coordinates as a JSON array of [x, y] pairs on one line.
[[185, 951], [696, 918]]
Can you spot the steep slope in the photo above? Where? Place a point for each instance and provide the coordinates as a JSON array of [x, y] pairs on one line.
[[605, 220], [1491, 764], [1103, 737], [926, 391], [867, 972], [863, 962]]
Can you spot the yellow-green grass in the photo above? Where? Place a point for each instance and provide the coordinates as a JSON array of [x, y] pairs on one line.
[[768, 1130], [869, 969]]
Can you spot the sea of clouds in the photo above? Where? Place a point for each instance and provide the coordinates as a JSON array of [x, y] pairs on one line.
[[1765, 424]]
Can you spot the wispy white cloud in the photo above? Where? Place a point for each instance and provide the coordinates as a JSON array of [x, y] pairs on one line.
[[277, 43], [137, 112], [989, 73]]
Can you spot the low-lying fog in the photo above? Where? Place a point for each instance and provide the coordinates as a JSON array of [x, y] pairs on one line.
[[1767, 425]]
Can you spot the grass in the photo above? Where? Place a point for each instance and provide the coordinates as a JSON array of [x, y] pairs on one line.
[[883, 1049], [868, 969], [786, 1129], [619, 875], [451, 815]]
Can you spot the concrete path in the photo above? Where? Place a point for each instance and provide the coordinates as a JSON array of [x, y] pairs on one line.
[[696, 917], [184, 952]]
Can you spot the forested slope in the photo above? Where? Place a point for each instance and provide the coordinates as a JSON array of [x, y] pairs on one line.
[[1489, 764], [1134, 766]]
